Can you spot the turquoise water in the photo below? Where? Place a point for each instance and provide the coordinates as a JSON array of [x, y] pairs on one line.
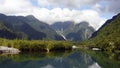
[[74, 59]]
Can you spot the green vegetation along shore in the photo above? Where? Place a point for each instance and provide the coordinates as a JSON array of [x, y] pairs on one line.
[[36, 45], [107, 37]]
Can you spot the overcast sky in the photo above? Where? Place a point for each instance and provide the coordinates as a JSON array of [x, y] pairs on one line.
[[96, 12]]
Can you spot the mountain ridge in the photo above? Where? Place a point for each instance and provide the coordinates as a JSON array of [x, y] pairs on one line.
[[27, 25], [72, 31], [108, 36]]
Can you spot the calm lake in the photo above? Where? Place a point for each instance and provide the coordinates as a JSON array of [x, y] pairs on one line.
[[66, 59]]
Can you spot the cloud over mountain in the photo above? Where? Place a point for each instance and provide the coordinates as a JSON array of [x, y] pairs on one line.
[[51, 11]]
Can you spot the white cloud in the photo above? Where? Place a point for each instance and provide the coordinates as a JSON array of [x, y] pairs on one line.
[[15, 6], [43, 2], [58, 14], [26, 7], [98, 7], [109, 6], [114, 6], [67, 3], [92, 17]]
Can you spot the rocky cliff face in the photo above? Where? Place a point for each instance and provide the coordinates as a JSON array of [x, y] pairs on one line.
[[72, 31]]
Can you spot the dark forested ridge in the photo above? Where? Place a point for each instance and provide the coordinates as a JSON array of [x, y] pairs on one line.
[[106, 24], [9, 34], [111, 29], [30, 26], [108, 36]]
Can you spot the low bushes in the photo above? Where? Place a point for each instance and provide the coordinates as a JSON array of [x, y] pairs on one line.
[[36, 45]]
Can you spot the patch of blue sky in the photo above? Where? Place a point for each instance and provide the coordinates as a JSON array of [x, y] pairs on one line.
[[107, 15], [85, 7], [48, 7], [104, 3], [34, 2]]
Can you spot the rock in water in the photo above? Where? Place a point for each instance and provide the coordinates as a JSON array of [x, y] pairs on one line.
[[4, 49]]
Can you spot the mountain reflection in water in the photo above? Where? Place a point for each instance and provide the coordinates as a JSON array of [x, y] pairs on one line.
[[75, 59]]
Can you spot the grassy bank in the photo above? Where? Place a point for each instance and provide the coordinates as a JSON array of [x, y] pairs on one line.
[[36, 45], [109, 45]]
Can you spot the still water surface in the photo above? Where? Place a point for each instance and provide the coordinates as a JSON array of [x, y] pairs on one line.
[[74, 59]]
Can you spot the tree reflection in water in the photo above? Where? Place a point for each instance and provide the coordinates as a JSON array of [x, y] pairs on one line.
[[67, 59]]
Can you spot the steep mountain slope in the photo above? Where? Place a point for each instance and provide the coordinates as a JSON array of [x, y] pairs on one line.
[[72, 31], [62, 26], [9, 34], [108, 36], [80, 31], [110, 29], [29, 25]]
